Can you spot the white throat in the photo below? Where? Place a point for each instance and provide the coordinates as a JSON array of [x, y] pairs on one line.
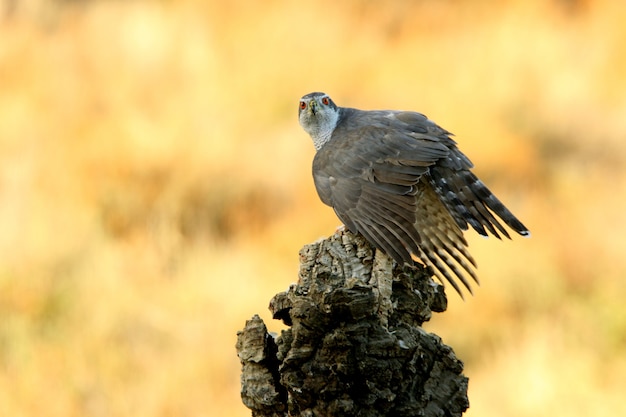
[[321, 138], [322, 130]]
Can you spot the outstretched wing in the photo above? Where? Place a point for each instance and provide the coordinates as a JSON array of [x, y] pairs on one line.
[[374, 172]]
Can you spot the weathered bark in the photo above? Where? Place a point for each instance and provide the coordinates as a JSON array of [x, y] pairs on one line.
[[354, 346]]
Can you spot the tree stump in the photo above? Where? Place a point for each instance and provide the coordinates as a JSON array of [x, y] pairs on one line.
[[355, 346]]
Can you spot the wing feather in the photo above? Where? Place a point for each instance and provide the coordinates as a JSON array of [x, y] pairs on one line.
[[399, 180], [442, 239]]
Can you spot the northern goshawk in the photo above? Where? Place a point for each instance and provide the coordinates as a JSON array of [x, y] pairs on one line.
[[400, 181]]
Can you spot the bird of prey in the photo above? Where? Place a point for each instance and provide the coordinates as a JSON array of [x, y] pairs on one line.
[[399, 180]]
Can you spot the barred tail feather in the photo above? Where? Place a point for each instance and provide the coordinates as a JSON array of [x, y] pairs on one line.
[[470, 202]]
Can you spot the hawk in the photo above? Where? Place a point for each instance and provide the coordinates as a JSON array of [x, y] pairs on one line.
[[399, 180]]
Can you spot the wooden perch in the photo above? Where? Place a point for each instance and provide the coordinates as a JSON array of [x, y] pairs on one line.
[[354, 346]]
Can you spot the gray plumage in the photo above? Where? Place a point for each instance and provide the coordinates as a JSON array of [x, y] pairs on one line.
[[399, 180]]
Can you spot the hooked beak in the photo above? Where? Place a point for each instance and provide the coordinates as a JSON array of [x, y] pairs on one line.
[[313, 107]]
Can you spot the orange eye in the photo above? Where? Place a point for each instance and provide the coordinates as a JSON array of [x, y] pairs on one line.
[[325, 101], [302, 105]]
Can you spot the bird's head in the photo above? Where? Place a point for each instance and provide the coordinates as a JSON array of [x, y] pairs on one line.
[[318, 116]]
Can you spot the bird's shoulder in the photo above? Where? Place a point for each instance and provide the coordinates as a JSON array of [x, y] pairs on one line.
[[389, 120]]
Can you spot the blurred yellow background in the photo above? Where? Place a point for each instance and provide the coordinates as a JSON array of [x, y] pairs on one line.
[[155, 189]]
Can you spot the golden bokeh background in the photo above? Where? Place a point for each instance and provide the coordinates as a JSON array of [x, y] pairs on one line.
[[155, 189]]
